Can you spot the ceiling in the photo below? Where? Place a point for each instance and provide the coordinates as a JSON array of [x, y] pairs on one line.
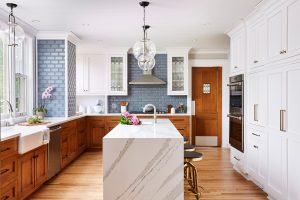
[[111, 23]]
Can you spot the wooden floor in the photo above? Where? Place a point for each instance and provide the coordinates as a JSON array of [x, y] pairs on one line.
[[83, 180]]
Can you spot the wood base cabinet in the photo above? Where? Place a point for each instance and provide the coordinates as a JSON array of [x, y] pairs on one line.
[[97, 131], [81, 135], [32, 170]]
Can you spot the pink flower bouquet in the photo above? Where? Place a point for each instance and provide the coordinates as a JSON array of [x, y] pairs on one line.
[[129, 119], [46, 95]]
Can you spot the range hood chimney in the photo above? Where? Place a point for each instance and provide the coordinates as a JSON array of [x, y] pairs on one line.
[[147, 79]]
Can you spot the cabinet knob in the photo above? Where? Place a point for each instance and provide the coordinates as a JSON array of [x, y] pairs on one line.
[[235, 67], [255, 61], [256, 147], [284, 51]]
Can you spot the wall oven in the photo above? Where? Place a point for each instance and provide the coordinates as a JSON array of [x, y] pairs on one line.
[[236, 112]]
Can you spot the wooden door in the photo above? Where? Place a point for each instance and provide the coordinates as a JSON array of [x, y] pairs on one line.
[[207, 94], [41, 165], [26, 173]]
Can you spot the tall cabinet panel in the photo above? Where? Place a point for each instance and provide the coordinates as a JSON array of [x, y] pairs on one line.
[[277, 147], [293, 30], [291, 119]]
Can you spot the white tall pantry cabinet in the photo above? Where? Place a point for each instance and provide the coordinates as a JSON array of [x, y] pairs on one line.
[[272, 73]]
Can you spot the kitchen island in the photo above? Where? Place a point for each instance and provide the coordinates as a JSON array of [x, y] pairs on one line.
[[143, 162]]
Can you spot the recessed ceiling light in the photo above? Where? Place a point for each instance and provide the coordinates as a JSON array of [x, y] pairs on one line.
[[35, 21]]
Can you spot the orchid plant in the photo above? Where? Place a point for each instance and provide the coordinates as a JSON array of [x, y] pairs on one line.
[[46, 96], [129, 119]]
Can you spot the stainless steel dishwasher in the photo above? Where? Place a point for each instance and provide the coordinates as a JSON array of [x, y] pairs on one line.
[[54, 152]]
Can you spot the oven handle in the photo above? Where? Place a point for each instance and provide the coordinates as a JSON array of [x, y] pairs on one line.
[[234, 84], [235, 117]]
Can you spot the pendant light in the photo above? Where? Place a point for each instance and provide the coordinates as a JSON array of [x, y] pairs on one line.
[[145, 50], [14, 32]]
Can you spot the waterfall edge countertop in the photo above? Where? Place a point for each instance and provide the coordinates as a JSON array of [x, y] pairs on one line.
[[148, 129], [143, 162]]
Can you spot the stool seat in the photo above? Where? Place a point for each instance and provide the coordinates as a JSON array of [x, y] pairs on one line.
[[189, 147], [192, 156], [185, 139]]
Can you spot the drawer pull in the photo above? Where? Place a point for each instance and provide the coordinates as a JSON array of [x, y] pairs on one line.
[[4, 171], [5, 197], [255, 134], [236, 158], [178, 120], [3, 150], [180, 129], [256, 147]]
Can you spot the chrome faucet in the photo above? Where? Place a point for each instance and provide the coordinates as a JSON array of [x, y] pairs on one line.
[[154, 110], [10, 109]]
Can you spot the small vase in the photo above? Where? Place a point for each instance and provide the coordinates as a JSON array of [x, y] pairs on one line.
[[123, 109], [40, 114]]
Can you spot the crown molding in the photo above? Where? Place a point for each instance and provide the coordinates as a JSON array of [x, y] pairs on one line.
[[57, 35]]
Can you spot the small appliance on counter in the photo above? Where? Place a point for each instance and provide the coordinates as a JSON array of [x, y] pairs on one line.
[[99, 107]]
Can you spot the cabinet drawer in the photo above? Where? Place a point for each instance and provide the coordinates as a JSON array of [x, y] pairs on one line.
[[256, 134], [8, 148], [8, 170], [179, 120], [237, 159], [114, 119], [70, 124], [9, 192], [81, 124], [183, 129]]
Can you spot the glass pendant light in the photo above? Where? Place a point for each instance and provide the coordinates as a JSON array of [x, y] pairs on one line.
[[145, 50], [14, 32]]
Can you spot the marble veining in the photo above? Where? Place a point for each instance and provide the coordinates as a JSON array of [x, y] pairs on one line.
[[142, 168]]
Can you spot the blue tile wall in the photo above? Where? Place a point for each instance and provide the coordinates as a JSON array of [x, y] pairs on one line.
[[140, 95], [51, 71], [71, 79]]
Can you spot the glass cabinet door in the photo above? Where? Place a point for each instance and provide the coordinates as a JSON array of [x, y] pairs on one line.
[[178, 73], [116, 78]]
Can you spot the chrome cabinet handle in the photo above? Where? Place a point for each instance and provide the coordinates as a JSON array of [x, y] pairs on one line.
[[255, 146], [255, 61], [255, 112], [256, 135], [282, 121], [236, 158], [235, 67]]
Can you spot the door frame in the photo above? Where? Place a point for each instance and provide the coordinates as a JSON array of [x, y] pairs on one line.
[[219, 102]]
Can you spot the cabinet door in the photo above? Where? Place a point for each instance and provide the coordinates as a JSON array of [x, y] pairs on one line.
[[64, 147], [26, 173], [72, 144], [117, 74], [252, 46], [277, 141], [275, 33], [261, 43], [293, 130], [253, 98], [252, 158], [41, 165], [293, 30], [96, 74], [81, 140], [97, 132], [80, 74]]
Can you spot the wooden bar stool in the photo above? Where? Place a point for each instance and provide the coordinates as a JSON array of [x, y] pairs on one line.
[[190, 171]]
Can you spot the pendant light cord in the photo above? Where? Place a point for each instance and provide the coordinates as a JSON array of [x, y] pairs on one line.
[[144, 28]]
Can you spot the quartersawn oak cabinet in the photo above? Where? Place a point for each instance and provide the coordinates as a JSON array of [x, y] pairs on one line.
[[32, 170]]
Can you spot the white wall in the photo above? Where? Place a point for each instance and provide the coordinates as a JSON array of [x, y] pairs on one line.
[[224, 63]]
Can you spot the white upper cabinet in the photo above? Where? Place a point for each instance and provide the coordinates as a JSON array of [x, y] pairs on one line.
[[237, 50], [117, 76], [178, 71], [283, 30], [257, 50], [293, 28], [90, 74]]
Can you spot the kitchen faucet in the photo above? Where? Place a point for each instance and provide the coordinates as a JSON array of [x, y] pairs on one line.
[[10, 109], [154, 111]]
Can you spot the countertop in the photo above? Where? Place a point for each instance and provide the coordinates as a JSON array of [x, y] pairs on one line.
[[162, 129], [17, 130]]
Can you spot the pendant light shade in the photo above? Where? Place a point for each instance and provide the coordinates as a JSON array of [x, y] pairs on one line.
[[14, 32], [146, 63], [145, 50]]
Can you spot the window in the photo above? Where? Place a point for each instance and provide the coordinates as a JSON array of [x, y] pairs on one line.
[[4, 85], [15, 79]]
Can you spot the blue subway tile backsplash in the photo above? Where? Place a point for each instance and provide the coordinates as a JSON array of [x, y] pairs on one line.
[[71, 79], [51, 71], [140, 95]]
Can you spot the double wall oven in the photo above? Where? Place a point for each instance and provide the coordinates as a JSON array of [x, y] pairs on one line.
[[236, 112]]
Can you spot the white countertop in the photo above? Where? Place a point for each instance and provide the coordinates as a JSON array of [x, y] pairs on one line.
[[15, 131], [162, 129]]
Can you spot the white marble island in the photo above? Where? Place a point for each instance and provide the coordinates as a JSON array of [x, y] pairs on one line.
[[143, 162]]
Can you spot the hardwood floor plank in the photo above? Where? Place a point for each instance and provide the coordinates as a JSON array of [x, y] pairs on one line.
[[82, 179]]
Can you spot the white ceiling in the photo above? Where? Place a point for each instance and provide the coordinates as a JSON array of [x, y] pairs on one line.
[[194, 23]]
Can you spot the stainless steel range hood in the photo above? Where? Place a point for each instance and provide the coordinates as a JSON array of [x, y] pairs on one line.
[[147, 79]]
